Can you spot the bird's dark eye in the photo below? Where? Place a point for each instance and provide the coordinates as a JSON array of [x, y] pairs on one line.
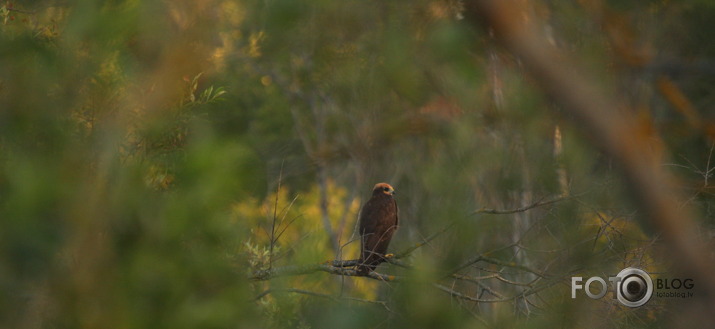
[[386, 189]]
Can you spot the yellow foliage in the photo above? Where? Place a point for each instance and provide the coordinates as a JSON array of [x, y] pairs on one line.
[[255, 39], [300, 235], [232, 15], [296, 219]]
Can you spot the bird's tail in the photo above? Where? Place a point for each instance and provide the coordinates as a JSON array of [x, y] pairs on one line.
[[369, 263]]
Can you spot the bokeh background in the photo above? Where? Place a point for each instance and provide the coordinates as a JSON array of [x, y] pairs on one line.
[[157, 156]]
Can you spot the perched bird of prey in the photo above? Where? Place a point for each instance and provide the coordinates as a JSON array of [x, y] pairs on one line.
[[378, 222]]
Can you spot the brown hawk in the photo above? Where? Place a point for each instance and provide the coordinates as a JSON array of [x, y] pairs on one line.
[[378, 222]]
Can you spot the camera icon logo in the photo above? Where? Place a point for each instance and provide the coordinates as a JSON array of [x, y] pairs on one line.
[[634, 288]]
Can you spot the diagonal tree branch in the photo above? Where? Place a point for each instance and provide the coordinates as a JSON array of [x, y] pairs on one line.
[[521, 209]]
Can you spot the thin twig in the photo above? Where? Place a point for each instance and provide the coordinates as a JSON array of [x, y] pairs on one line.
[[484, 258], [275, 217], [21, 11], [414, 247], [537, 204], [524, 294], [522, 209]]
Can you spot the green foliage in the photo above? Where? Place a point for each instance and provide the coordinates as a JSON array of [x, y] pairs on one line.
[[156, 155]]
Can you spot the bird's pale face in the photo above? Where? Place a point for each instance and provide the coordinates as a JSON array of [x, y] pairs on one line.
[[383, 188]]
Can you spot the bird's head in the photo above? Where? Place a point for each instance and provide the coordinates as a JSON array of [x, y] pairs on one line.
[[383, 188]]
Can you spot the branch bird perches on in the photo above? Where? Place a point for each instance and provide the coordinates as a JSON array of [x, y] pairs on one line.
[[342, 267], [348, 268]]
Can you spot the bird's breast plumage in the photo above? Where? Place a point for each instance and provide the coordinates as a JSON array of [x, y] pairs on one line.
[[378, 222]]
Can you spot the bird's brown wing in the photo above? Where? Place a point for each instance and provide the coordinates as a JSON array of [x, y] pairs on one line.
[[378, 222]]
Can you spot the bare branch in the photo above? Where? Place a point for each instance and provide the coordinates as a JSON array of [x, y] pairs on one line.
[[482, 258], [294, 270], [21, 11], [521, 209], [460, 295], [414, 247], [478, 282], [524, 294]]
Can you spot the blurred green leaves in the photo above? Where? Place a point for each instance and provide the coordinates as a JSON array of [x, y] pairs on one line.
[[114, 194], [142, 145]]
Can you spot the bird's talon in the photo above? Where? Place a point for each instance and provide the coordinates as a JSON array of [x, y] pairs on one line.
[[389, 255]]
